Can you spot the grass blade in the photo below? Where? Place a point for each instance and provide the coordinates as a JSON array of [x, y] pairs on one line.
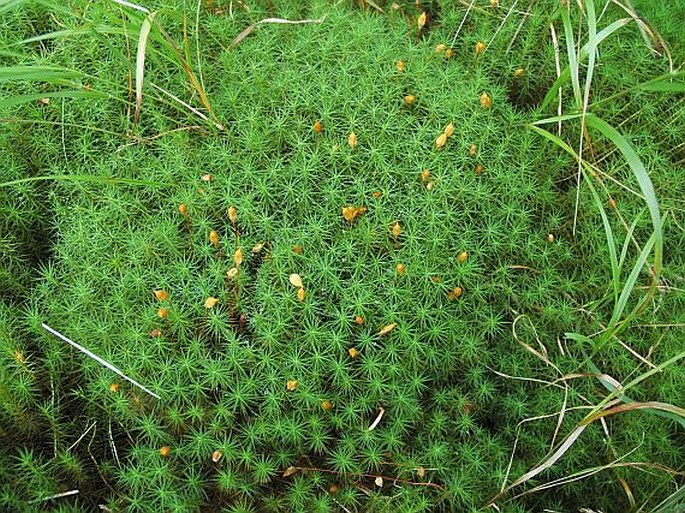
[[85, 178], [140, 63]]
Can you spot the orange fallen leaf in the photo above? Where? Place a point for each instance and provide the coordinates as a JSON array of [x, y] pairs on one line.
[[387, 329], [326, 405], [114, 387], [353, 352], [161, 294], [163, 312], [358, 320], [318, 127], [425, 175], [350, 213], [164, 451], [455, 293], [214, 237], [183, 209], [400, 269]]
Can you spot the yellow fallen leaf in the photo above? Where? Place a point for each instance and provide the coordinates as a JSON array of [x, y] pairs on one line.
[[257, 247], [440, 48], [214, 237], [211, 302], [238, 257], [289, 471], [232, 273], [485, 101], [462, 257], [400, 66], [440, 141], [409, 99], [350, 213], [480, 48], [387, 329], [449, 130], [352, 140], [216, 456], [291, 384], [421, 22], [296, 280], [300, 294], [396, 229], [232, 214]]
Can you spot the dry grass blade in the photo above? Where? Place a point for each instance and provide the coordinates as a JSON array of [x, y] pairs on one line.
[[140, 63], [265, 21]]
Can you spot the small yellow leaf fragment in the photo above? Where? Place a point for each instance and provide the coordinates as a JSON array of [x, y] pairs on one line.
[[257, 247], [485, 100], [425, 175], [421, 22], [318, 127], [163, 313], [387, 329], [216, 456], [455, 293], [519, 72], [352, 140], [358, 320], [333, 489], [409, 99], [326, 405], [300, 294], [211, 302], [164, 451], [183, 209], [350, 213], [376, 194], [462, 257], [494, 3], [289, 471], [473, 150], [232, 214], [550, 237], [449, 130], [214, 237], [297, 249], [238, 257], [479, 169], [291, 385], [352, 351], [206, 177], [449, 53], [421, 472], [296, 280], [396, 229], [114, 388], [400, 66], [161, 294], [232, 273], [400, 269], [440, 48], [440, 141], [378, 482], [480, 48]]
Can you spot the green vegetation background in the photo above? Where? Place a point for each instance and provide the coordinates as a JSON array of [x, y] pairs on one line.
[[84, 256]]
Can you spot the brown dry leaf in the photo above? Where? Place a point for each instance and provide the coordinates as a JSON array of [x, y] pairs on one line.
[[238, 257], [211, 302], [421, 22], [300, 294], [155, 333], [358, 320], [298, 249], [289, 471], [296, 280], [352, 140], [387, 329], [326, 405], [440, 141], [449, 130]]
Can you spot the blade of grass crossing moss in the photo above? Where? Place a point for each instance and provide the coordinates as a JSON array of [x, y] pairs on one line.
[[140, 63], [85, 178], [643, 179], [571, 53]]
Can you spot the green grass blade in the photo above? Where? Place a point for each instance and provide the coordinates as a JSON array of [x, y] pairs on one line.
[[643, 179], [19, 99], [39, 73], [85, 178]]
